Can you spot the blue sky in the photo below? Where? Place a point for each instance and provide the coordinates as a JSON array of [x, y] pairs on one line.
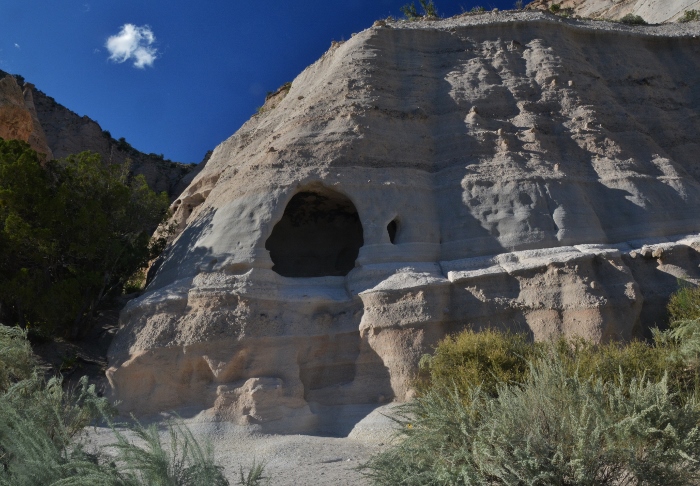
[[191, 73]]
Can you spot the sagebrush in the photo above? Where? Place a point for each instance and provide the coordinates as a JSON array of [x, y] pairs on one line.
[[690, 16], [495, 408], [42, 440], [631, 19]]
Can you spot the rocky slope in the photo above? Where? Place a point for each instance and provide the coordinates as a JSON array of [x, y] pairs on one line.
[[18, 116], [652, 11], [30, 115], [517, 170]]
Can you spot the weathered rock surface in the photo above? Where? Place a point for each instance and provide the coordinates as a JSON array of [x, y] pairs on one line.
[[18, 117], [652, 11], [30, 115], [512, 170]]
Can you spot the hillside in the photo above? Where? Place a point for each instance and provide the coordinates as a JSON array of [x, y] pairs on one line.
[[507, 169], [29, 114]]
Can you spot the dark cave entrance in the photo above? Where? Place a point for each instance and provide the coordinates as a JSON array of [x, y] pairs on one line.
[[393, 228], [319, 235]]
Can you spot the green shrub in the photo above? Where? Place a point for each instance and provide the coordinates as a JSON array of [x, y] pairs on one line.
[[555, 7], [682, 345], [608, 362], [556, 428], [41, 440], [16, 359], [38, 424], [684, 304], [690, 16], [411, 12], [495, 408], [490, 358], [482, 359], [631, 19], [72, 231], [562, 429], [255, 475], [184, 462]]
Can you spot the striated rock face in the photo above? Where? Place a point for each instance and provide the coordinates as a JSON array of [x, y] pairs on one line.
[[18, 117], [30, 115], [510, 170], [653, 11]]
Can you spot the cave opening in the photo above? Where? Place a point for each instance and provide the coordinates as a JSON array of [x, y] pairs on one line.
[[319, 235], [392, 228]]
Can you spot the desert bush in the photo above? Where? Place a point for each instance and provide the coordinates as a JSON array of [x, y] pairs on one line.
[[433, 443], [35, 455], [609, 362], [580, 432], [482, 359], [184, 462], [254, 476], [555, 428], [490, 358], [42, 441], [631, 19], [555, 7], [474, 10], [16, 359], [39, 422], [411, 12], [495, 408], [684, 304], [690, 16], [682, 346]]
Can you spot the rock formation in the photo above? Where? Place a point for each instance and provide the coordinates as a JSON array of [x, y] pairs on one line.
[[18, 117], [515, 170], [652, 11], [30, 115]]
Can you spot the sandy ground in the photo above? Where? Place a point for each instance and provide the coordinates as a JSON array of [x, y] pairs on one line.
[[289, 459]]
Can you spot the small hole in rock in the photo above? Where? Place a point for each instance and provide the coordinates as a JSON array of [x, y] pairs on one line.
[[392, 228]]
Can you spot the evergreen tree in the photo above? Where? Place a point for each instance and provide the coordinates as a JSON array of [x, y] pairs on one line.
[[72, 231]]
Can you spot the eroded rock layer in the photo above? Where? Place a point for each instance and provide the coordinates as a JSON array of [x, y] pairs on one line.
[[511, 170], [18, 117], [652, 11]]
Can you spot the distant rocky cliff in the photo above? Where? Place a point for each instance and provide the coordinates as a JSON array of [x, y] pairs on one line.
[[652, 11], [18, 118], [50, 128]]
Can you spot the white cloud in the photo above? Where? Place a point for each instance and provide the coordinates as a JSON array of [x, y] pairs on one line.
[[17, 46], [133, 43]]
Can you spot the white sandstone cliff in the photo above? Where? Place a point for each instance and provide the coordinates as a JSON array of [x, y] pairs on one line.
[[511, 170], [652, 11]]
